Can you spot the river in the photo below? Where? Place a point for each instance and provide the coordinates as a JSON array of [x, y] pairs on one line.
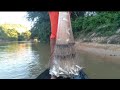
[[26, 60]]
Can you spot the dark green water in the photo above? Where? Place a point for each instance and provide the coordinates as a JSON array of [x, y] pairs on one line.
[[25, 60]]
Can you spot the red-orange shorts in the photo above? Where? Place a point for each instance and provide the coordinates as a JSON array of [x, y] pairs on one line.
[[54, 23]]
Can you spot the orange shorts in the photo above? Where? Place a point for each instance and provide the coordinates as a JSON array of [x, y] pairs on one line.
[[54, 23]]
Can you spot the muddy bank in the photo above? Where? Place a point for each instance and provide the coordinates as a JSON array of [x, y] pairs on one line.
[[114, 39], [109, 52]]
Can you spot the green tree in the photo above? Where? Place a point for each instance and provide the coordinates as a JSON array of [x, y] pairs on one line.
[[10, 32], [2, 34], [26, 35], [41, 26], [103, 24], [21, 37]]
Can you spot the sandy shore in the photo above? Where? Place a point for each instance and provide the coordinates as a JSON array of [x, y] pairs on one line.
[[109, 52]]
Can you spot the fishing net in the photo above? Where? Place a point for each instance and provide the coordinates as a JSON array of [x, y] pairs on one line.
[[65, 61]]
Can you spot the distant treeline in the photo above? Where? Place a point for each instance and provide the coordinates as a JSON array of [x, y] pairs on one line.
[[9, 32]]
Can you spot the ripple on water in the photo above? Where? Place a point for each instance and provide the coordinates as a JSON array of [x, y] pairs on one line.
[[22, 62]]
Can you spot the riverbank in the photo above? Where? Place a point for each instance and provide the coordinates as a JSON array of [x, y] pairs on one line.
[[109, 52], [92, 37]]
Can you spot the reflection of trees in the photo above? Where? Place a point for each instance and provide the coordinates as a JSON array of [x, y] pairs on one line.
[[9, 47], [41, 54], [31, 57], [15, 47], [17, 57], [44, 52]]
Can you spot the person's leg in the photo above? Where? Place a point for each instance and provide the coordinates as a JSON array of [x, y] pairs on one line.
[[54, 24]]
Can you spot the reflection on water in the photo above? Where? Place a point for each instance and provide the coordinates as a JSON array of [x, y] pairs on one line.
[[25, 60], [22, 60]]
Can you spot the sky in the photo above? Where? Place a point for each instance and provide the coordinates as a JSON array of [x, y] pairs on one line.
[[15, 18]]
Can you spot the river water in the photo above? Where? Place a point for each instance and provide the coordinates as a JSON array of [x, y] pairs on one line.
[[26, 60]]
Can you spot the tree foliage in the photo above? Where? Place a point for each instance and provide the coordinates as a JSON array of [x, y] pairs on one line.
[[83, 22], [103, 23], [41, 27], [10, 32]]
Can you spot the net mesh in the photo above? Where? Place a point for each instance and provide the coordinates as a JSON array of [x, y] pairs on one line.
[[65, 61]]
